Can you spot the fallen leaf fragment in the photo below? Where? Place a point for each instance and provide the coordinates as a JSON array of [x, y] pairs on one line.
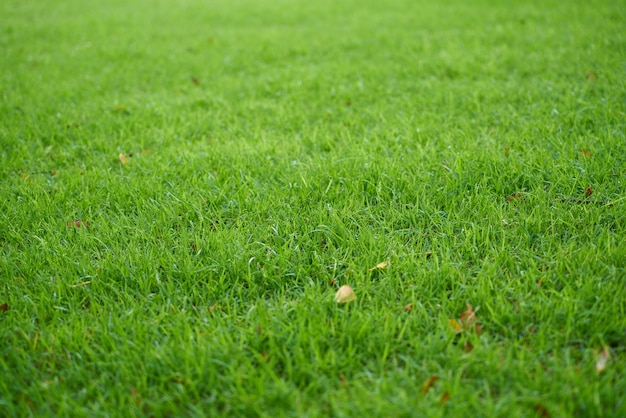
[[455, 325], [77, 223], [445, 398], [408, 307], [542, 411], [123, 159], [429, 383], [468, 316], [468, 347], [135, 394], [467, 321], [586, 153], [603, 357], [4, 307], [588, 191], [380, 266], [515, 196], [591, 76], [345, 294]]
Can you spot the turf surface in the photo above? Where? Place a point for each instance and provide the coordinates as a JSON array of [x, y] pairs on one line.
[[185, 186]]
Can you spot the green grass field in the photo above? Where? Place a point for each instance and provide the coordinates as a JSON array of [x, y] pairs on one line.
[[185, 185]]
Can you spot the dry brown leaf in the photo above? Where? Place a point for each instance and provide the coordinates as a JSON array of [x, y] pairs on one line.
[[468, 317], [135, 394], [467, 321], [445, 398], [468, 347], [123, 159], [408, 307], [515, 197], [429, 383], [586, 153], [603, 358], [542, 411], [77, 223], [380, 266], [4, 307], [345, 294], [588, 191]]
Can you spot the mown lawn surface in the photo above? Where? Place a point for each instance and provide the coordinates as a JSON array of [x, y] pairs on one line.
[[184, 185]]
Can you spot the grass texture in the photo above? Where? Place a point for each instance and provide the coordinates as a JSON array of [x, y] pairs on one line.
[[185, 185]]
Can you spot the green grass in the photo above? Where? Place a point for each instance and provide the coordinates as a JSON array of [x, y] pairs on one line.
[[280, 149]]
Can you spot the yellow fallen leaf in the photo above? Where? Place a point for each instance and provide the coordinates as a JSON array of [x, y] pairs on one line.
[[345, 294], [123, 159], [455, 325], [380, 266]]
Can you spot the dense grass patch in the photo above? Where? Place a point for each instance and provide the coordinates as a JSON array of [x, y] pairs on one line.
[[184, 186]]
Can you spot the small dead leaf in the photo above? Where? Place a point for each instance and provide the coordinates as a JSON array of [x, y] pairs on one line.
[[4, 307], [179, 379], [445, 398], [408, 307], [542, 411], [515, 197], [429, 383], [380, 266], [195, 81], [53, 173], [591, 76], [345, 294], [342, 379], [332, 282], [586, 153], [455, 325], [588, 191], [467, 321], [135, 394], [123, 159], [77, 223], [468, 316], [603, 358], [468, 347]]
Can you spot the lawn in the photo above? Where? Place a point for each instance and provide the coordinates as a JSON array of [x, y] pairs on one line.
[[185, 185]]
